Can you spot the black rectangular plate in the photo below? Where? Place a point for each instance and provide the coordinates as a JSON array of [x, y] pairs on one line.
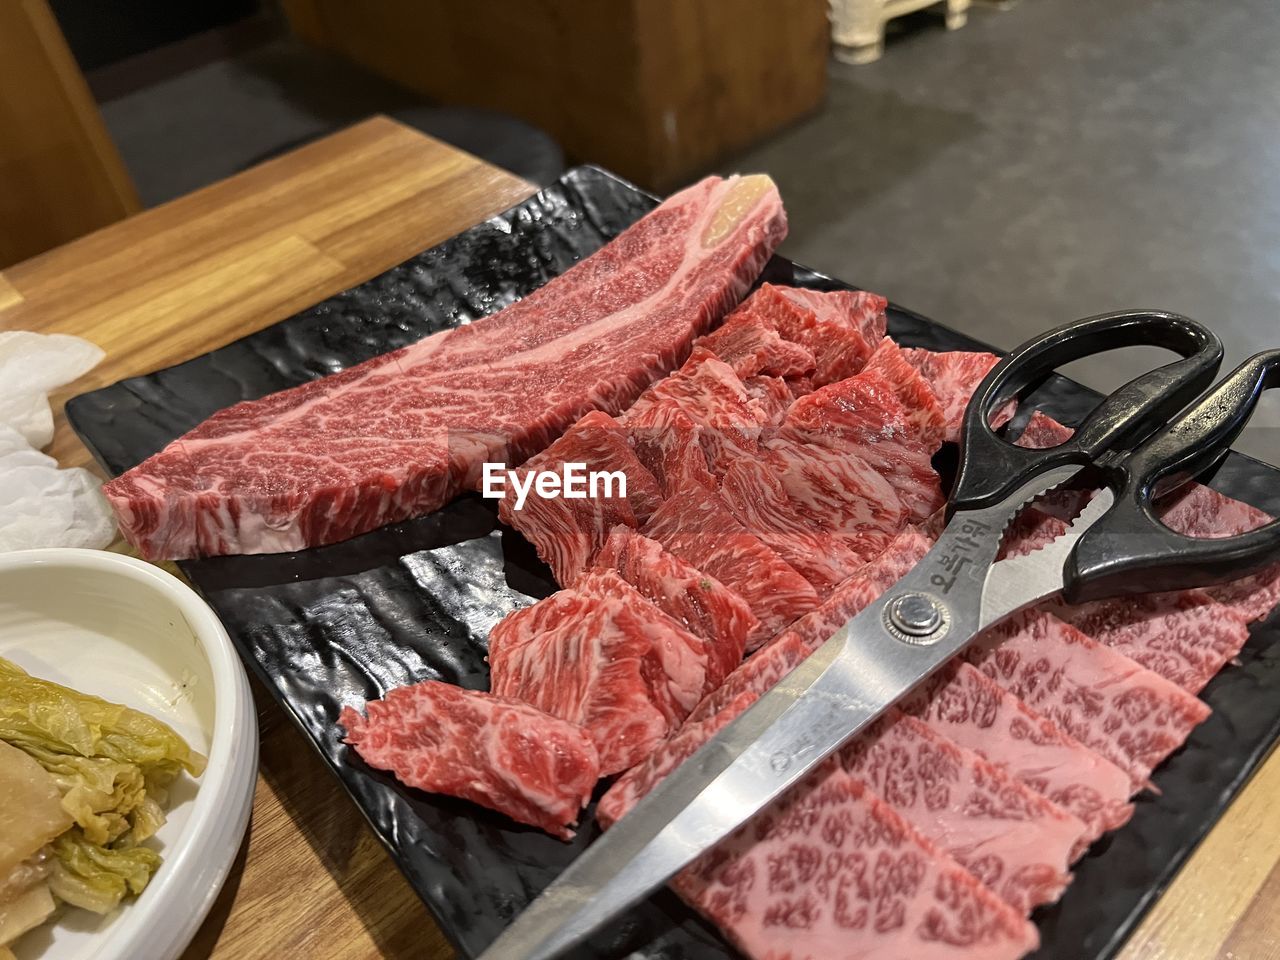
[[342, 624]]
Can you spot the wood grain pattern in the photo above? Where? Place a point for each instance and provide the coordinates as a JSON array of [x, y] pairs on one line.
[[311, 880], [60, 174]]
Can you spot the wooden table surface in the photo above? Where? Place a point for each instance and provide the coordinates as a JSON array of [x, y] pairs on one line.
[[171, 283]]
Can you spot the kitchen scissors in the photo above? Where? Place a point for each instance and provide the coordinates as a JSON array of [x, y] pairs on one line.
[[1152, 434]]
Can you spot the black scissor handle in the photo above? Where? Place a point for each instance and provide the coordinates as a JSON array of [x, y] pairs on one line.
[[1129, 550], [991, 468]]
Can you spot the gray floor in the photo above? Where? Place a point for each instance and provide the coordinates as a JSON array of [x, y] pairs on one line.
[[1058, 159], [1062, 158]]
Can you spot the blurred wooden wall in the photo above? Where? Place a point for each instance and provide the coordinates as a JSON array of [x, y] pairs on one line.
[[656, 90], [60, 174]]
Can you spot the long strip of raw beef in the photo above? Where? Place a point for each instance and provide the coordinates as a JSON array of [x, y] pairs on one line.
[[974, 711], [567, 531], [601, 656], [833, 873], [1010, 837], [698, 602], [1186, 637], [497, 752], [1131, 715], [402, 434]]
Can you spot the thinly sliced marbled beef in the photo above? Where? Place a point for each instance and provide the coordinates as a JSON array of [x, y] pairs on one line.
[[567, 531], [402, 434], [834, 873], [494, 751], [969, 707], [1131, 715], [1013, 839], [1186, 637]]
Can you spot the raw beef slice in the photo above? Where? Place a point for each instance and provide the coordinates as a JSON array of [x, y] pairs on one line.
[[1132, 716], [1186, 637], [568, 531], [698, 602], [953, 376], [839, 348], [1007, 835], [831, 872], [887, 416], [602, 657], [961, 702], [694, 525], [497, 752], [1199, 511], [402, 434]]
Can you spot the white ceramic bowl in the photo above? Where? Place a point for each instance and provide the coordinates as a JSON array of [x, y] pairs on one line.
[[127, 631]]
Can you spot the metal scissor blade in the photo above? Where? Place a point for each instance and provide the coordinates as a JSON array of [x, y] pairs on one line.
[[1016, 582]]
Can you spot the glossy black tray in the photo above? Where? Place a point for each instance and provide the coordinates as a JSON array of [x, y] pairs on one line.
[[342, 624]]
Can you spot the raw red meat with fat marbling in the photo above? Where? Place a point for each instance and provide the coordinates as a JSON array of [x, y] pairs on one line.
[[839, 347], [567, 531], [695, 525], [1132, 716], [670, 446], [762, 499], [1007, 835], [1200, 511], [774, 396], [863, 310], [602, 656], [1186, 637], [970, 708], [709, 393], [887, 416], [833, 873], [402, 434], [698, 602], [752, 346], [500, 753], [953, 376]]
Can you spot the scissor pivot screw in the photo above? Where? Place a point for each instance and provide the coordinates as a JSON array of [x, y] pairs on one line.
[[915, 615]]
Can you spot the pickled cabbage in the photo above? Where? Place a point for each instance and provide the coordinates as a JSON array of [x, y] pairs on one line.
[[112, 766]]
